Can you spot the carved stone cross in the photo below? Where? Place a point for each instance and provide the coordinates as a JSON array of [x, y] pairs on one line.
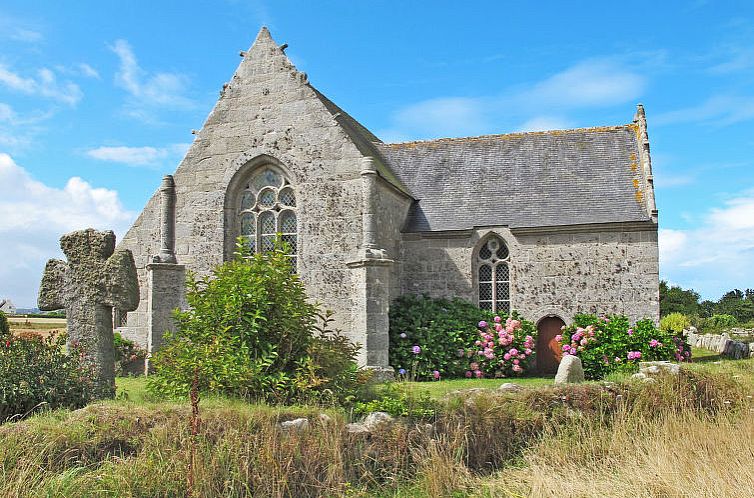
[[95, 279]]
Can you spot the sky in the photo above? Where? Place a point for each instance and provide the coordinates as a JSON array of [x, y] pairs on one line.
[[98, 100]]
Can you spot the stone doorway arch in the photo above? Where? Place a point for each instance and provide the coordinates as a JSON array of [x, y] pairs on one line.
[[548, 350]]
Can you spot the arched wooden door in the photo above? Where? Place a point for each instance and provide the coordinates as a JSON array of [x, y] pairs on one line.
[[548, 350]]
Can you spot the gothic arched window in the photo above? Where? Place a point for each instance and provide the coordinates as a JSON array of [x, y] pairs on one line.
[[267, 207], [493, 272]]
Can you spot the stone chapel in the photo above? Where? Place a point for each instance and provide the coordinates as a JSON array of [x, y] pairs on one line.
[[547, 223]]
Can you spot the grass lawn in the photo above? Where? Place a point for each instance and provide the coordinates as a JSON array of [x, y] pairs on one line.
[[133, 389], [440, 388]]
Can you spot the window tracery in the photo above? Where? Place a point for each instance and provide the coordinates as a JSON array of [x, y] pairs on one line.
[[493, 276], [267, 207]]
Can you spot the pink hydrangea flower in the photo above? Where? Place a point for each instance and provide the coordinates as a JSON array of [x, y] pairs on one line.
[[468, 374], [474, 366], [583, 342], [513, 351], [515, 362], [654, 343], [478, 374], [630, 331], [498, 319], [482, 324], [517, 368], [416, 350], [436, 374]]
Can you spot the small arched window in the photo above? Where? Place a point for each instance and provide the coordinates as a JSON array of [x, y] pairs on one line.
[[493, 273], [267, 207]]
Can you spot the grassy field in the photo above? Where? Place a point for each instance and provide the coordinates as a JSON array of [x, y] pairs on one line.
[[684, 436], [41, 326]]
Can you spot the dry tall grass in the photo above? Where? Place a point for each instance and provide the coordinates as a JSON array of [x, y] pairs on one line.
[[689, 435], [675, 455]]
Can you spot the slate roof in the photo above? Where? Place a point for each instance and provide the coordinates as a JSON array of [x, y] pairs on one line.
[[537, 179]]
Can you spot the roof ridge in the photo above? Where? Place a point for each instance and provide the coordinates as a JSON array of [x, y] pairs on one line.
[[514, 134]]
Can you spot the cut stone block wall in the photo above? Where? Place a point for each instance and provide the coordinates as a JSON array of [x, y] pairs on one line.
[[267, 109], [605, 270]]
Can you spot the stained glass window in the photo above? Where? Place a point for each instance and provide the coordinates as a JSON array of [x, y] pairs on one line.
[[493, 275], [266, 209]]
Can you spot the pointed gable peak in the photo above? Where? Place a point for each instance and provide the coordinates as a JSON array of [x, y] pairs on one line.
[[263, 37], [264, 57]]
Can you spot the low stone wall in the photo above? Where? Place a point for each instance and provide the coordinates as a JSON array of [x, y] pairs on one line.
[[721, 343]]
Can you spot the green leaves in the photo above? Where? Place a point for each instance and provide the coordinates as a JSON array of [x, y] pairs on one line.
[[251, 330], [440, 327], [37, 372]]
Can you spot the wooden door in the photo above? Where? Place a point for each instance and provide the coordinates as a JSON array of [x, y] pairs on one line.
[[548, 350]]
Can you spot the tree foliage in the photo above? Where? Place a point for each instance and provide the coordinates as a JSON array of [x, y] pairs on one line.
[[251, 332], [736, 303]]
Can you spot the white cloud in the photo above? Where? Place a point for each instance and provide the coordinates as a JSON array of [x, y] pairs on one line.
[[718, 254], [590, 83], [33, 216], [718, 110], [44, 84], [18, 30], [161, 89], [88, 71], [543, 123], [138, 156]]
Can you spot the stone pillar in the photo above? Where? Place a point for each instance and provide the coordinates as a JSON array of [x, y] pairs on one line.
[[167, 220], [166, 287], [369, 193], [371, 277], [166, 280]]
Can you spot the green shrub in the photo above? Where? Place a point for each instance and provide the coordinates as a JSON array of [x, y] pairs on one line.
[[250, 332], [428, 335], [129, 357], [399, 402], [675, 323], [4, 326], [720, 322], [606, 345], [504, 347], [36, 372]]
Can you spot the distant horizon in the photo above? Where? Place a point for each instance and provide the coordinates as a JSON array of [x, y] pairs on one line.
[[96, 103]]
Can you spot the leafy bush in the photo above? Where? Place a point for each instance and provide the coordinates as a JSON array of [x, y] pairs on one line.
[[129, 357], [36, 372], [430, 335], [503, 348], [400, 403], [719, 322], [4, 326], [250, 332], [610, 344], [675, 323]]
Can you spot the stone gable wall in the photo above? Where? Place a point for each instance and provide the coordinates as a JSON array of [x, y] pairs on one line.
[[557, 273], [267, 109]]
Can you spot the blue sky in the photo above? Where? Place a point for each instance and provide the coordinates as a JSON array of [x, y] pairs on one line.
[[98, 99]]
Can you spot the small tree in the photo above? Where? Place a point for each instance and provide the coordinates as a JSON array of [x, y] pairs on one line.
[[250, 332]]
